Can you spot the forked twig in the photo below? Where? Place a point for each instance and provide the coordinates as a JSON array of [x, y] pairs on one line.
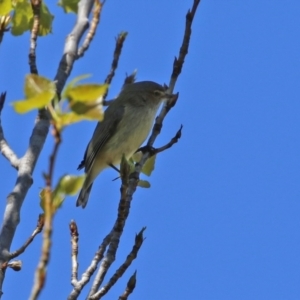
[[121, 270], [37, 230]]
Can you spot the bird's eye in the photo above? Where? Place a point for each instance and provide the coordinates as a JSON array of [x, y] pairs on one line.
[[157, 93]]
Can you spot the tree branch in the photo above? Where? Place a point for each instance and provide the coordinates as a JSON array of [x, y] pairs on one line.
[[93, 27], [72, 42], [123, 212], [5, 149], [130, 287], [116, 56], [79, 285], [178, 63], [118, 274], [27, 163], [41, 270], [37, 230], [74, 255], [36, 8], [117, 53], [154, 151]]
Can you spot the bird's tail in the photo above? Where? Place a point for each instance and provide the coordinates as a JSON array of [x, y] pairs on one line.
[[84, 196]]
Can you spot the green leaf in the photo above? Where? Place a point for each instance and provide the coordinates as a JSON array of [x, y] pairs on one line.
[[22, 17], [43, 195], [69, 5], [72, 83], [86, 92], [149, 165], [67, 185], [90, 111], [46, 19], [5, 7], [70, 184], [39, 101], [35, 84], [144, 184], [66, 119], [39, 91]]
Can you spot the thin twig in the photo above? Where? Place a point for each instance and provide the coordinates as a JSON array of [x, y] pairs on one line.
[[72, 42], [173, 141], [79, 285], [37, 230], [117, 53], [93, 27], [27, 163], [5, 149], [41, 270], [154, 151], [123, 212], [122, 269], [177, 67], [74, 253], [178, 63], [129, 185], [129, 288], [2, 101], [36, 9]]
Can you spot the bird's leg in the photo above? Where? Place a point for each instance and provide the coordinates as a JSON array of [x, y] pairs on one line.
[[147, 148], [115, 168]]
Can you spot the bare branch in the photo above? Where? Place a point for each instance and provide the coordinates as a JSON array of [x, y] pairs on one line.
[[72, 42], [2, 101], [177, 67], [154, 151], [178, 63], [117, 53], [15, 199], [173, 141], [27, 163], [118, 274], [130, 287], [123, 212], [37, 230], [93, 27], [74, 243], [78, 285], [36, 8], [134, 176], [5, 149], [41, 270]]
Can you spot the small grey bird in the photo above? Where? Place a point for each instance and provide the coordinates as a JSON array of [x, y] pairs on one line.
[[126, 124]]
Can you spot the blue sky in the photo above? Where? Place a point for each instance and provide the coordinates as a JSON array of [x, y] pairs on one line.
[[222, 214]]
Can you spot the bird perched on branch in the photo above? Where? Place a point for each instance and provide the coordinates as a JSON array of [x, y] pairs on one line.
[[126, 124]]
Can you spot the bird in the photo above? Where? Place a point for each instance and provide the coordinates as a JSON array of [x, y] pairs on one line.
[[126, 124]]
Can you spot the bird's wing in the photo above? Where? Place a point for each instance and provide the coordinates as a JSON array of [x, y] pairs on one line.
[[103, 132]]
